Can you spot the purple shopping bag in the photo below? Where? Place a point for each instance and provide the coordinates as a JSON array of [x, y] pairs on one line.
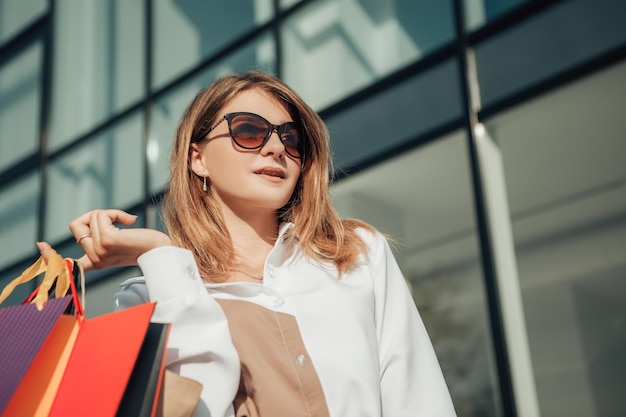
[[23, 331]]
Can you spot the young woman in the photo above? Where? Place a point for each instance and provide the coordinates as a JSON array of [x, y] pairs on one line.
[[278, 307]]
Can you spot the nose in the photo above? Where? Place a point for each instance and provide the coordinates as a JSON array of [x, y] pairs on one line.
[[273, 145]]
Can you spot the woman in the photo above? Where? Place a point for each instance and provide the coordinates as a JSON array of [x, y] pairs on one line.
[[278, 307]]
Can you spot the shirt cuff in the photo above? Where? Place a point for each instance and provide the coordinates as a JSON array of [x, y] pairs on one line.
[[170, 272]]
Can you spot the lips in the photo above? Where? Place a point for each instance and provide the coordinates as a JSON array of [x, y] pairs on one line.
[[272, 172]]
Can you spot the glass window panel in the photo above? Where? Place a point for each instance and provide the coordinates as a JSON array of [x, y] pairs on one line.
[[333, 48], [423, 199], [168, 108], [533, 50], [481, 12], [104, 172], [98, 66], [15, 15], [564, 157], [20, 103], [186, 32], [397, 115], [19, 206]]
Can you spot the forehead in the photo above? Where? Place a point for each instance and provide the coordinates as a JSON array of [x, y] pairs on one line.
[[260, 102]]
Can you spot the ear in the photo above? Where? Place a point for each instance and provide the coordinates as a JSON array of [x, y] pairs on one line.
[[196, 162]]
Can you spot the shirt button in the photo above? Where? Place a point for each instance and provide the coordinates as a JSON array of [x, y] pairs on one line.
[[278, 302], [300, 360], [191, 272], [270, 273]]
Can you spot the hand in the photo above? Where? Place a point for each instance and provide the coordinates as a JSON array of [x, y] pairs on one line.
[[106, 245]]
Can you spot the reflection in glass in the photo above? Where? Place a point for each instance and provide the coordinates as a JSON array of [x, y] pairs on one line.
[[185, 32], [423, 200], [98, 66], [19, 205], [104, 172], [585, 32], [392, 117], [168, 108], [335, 47], [20, 91], [16, 15], [481, 12], [564, 157]]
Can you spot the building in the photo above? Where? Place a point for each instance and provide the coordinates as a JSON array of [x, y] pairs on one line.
[[486, 136]]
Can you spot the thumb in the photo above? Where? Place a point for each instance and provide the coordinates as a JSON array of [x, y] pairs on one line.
[[44, 250]]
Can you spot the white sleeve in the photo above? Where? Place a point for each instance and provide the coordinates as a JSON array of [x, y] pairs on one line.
[[200, 346], [411, 380]]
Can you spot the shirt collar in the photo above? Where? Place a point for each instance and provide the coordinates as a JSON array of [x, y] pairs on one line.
[[283, 229]]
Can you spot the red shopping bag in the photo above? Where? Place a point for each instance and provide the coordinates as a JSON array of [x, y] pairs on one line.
[[101, 364]]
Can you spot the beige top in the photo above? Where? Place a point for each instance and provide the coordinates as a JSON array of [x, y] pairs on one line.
[[277, 374]]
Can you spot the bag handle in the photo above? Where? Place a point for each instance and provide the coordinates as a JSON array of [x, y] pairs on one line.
[[57, 269]]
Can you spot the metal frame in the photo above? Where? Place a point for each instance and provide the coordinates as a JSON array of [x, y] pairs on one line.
[[494, 308]]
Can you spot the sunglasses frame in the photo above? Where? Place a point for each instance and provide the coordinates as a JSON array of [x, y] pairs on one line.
[[274, 128]]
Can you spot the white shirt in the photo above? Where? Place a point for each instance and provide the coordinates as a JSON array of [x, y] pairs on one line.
[[362, 331]]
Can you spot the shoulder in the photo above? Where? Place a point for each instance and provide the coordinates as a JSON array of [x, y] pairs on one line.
[[376, 243], [372, 237]]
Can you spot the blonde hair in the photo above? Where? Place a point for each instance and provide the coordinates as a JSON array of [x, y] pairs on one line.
[[193, 217]]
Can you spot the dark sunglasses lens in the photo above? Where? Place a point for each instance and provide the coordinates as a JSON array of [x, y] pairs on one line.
[[291, 139], [248, 131]]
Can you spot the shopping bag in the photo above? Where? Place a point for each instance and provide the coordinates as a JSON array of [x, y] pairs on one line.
[[36, 342], [141, 397], [104, 355], [24, 331], [106, 366]]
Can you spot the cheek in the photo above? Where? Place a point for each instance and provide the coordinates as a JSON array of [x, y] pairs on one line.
[[217, 159], [297, 179]]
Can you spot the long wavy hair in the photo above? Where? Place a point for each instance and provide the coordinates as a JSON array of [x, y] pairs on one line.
[[193, 217]]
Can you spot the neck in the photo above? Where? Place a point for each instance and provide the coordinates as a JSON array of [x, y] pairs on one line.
[[253, 236]]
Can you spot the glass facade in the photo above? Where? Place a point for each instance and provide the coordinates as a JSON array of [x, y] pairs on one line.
[[15, 15], [104, 171], [20, 104], [187, 32], [564, 166], [333, 48], [97, 64], [91, 92]]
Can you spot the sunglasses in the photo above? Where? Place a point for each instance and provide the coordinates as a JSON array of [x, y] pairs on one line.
[[251, 131]]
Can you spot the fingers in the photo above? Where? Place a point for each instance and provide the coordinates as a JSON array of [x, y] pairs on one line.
[[82, 224], [97, 234], [107, 245]]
